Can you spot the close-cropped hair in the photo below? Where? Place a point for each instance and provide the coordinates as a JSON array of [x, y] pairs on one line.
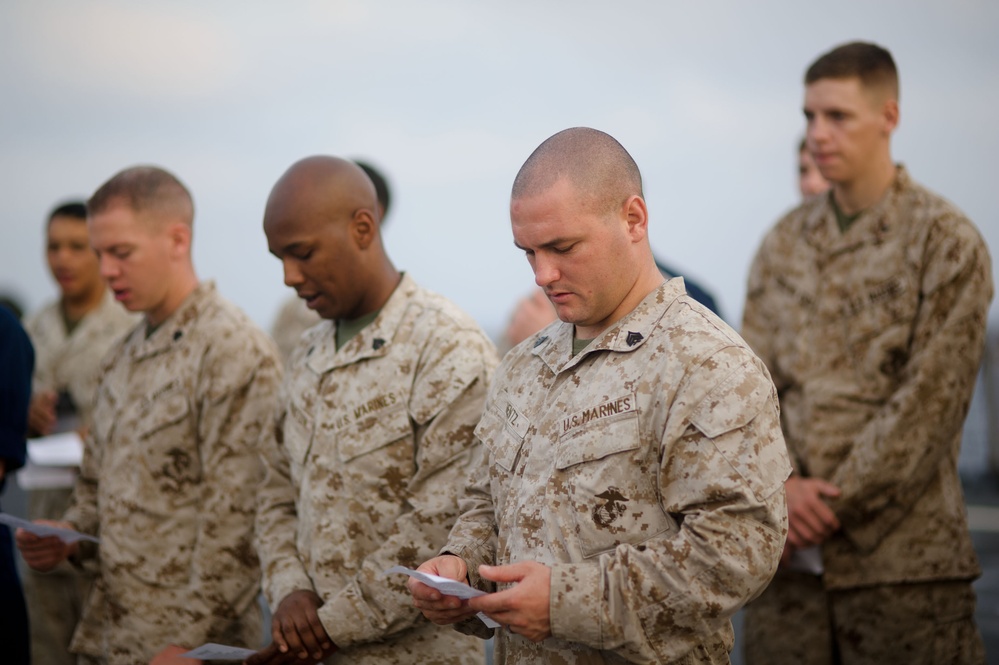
[[145, 189], [593, 161], [870, 63], [71, 209]]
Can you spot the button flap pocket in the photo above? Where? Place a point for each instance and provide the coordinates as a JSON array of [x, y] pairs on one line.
[[502, 437], [162, 410], [615, 434], [374, 432]]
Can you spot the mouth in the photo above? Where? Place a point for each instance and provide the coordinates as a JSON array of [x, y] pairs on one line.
[[558, 297], [310, 299], [121, 294]]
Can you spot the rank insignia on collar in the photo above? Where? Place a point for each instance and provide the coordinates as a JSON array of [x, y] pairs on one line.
[[377, 343], [539, 341], [633, 338]]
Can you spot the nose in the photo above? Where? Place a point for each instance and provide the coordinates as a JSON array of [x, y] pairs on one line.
[[109, 266], [816, 131], [292, 275], [545, 269]]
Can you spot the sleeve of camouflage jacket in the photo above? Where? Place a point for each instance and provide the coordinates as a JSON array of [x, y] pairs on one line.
[[900, 449], [277, 520], [82, 511], [238, 394]]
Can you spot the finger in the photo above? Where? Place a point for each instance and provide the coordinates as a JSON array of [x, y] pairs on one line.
[[423, 592], [307, 643], [513, 572], [277, 636], [318, 633]]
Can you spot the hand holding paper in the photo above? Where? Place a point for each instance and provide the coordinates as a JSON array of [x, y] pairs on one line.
[[442, 610], [44, 544]]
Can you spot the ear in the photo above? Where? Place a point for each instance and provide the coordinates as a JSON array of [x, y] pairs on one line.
[[636, 217], [363, 228], [890, 115], [179, 236]]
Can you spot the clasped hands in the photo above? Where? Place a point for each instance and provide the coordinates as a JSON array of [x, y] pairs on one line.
[[810, 520]]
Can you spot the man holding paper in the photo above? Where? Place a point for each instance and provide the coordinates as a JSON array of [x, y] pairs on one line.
[[70, 335], [633, 498], [170, 467], [372, 439]]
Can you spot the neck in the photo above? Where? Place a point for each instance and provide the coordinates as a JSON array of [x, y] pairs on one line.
[[78, 307], [860, 194], [183, 285], [647, 282], [388, 278]]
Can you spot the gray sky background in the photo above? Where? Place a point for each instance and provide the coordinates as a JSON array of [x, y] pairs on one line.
[[449, 98]]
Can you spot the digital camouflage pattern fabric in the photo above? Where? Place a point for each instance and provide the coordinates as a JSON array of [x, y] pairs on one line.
[[369, 450], [71, 363], [168, 482], [647, 471], [873, 338]]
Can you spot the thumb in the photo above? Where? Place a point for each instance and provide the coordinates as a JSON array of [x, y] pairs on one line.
[[513, 572]]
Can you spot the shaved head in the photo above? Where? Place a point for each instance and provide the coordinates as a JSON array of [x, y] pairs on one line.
[[595, 164], [154, 193], [338, 186], [322, 221]]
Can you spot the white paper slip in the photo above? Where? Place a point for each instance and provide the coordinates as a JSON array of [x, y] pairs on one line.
[[212, 651], [34, 477], [446, 586], [65, 449], [65, 535]]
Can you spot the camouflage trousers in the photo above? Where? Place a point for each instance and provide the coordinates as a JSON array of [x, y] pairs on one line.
[[796, 620]]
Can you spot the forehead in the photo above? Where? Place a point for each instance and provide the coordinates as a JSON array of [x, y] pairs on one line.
[[65, 226], [833, 92], [119, 224], [559, 211]]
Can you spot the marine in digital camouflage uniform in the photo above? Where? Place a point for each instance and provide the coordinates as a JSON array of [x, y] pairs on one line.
[[872, 328], [66, 363], [633, 491], [70, 336], [170, 466], [373, 440]]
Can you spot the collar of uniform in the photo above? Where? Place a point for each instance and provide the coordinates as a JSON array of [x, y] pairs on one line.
[[556, 350], [177, 325], [871, 226], [371, 342]]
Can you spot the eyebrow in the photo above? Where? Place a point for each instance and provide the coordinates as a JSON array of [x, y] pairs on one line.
[[298, 244], [549, 244]]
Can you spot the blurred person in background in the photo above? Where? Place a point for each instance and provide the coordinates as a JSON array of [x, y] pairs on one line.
[[869, 307], [810, 180], [70, 335]]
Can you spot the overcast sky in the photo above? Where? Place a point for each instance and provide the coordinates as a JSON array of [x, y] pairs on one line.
[[448, 99]]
